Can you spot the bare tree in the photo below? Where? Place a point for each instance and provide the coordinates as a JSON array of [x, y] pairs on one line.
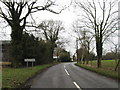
[[116, 53], [15, 13], [103, 24], [51, 31], [84, 37]]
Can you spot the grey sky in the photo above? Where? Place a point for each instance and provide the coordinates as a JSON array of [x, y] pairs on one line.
[[67, 16]]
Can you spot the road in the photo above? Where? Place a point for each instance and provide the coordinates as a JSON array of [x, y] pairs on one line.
[[67, 75]]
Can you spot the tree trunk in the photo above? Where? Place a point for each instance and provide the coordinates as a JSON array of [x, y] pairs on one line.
[[117, 65], [77, 56], [88, 58], [17, 52], [83, 61], [52, 45], [99, 53], [99, 63], [87, 62]]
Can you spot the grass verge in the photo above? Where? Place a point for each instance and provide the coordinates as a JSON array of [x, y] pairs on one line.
[[15, 77], [105, 72]]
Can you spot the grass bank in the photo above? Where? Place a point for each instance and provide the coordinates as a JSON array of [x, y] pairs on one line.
[[15, 77], [107, 68]]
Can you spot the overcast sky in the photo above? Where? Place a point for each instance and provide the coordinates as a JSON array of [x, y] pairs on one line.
[[68, 16]]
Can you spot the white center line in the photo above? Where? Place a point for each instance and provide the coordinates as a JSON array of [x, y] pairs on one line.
[[64, 66], [77, 85], [67, 72]]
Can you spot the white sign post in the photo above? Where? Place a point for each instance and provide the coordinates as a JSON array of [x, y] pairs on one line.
[[29, 60]]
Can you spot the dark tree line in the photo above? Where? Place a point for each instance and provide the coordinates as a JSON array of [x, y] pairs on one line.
[[32, 47], [110, 56], [64, 56]]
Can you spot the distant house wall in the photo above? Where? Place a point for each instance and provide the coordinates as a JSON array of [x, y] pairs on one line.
[[5, 50]]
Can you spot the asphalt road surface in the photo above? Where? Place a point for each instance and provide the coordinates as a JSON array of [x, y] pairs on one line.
[[67, 75]]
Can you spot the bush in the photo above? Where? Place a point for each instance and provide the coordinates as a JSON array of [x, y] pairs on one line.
[[65, 57]]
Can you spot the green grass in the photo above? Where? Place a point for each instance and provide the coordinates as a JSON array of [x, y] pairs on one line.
[[107, 68], [0, 76], [13, 78], [105, 63]]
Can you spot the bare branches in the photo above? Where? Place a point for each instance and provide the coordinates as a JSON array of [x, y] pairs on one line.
[[102, 24], [51, 29], [20, 10]]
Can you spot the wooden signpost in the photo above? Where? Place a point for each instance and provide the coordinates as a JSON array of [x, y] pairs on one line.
[[29, 60]]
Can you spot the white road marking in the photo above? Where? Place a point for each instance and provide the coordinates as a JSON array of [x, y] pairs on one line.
[[77, 85], [64, 66], [67, 72]]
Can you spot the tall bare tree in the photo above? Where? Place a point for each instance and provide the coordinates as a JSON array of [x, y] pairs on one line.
[[15, 13], [51, 31], [103, 24], [84, 37]]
